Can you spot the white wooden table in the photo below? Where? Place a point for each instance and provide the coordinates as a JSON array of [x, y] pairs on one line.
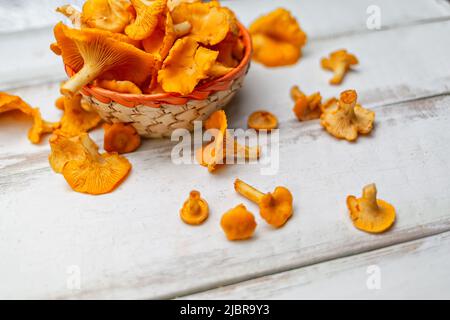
[[132, 244]]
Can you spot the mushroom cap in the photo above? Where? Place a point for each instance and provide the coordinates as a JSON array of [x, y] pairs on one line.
[[75, 119], [276, 207], [210, 22], [370, 214], [111, 53], [238, 223], [274, 53], [337, 58], [184, 67], [121, 138], [147, 16], [65, 148], [277, 39], [346, 118], [40, 126], [162, 38], [195, 209], [110, 15], [306, 107], [95, 173], [262, 120], [10, 102]]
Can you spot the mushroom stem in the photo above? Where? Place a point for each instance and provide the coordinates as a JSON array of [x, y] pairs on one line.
[[370, 195], [182, 29], [248, 191], [87, 74], [194, 197], [339, 73]]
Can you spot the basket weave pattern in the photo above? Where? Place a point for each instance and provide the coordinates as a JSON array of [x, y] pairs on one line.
[[160, 122]]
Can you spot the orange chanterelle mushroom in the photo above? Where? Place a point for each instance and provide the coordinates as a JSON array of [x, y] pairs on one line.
[[277, 39], [184, 67], [84, 169], [306, 107], [10, 102], [92, 53], [346, 118], [262, 120], [121, 138], [147, 15], [223, 146], [339, 62], [76, 119], [195, 209], [238, 223], [110, 15], [210, 23], [275, 207], [369, 213]]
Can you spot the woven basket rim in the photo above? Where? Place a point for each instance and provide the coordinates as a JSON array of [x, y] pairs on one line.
[[197, 94]]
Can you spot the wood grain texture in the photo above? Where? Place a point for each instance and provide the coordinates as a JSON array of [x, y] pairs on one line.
[[413, 270], [132, 244]]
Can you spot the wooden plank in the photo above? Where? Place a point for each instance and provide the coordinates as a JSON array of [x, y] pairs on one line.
[[131, 243], [413, 270], [26, 33]]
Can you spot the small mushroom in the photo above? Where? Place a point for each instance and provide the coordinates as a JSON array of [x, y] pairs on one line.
[[262, 120], [95, 173], [76, 119], [184, 67], [238, 223], [92, 53], [339, 62], [210, 22], [369, 213], [274, 207], [223, 145], [195, 209], [147, 16], [110, 15], [306, 107], [277, 39], [121, 138], [10, 102], [119, 86], [346, 119], [40, 126]]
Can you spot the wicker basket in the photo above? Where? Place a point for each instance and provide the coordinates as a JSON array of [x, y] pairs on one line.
[[158, 115]]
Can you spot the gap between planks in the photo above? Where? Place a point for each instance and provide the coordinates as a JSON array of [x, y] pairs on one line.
[[374, 255]]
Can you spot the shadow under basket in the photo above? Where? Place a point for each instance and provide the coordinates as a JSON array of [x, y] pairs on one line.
[[158, 115]]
